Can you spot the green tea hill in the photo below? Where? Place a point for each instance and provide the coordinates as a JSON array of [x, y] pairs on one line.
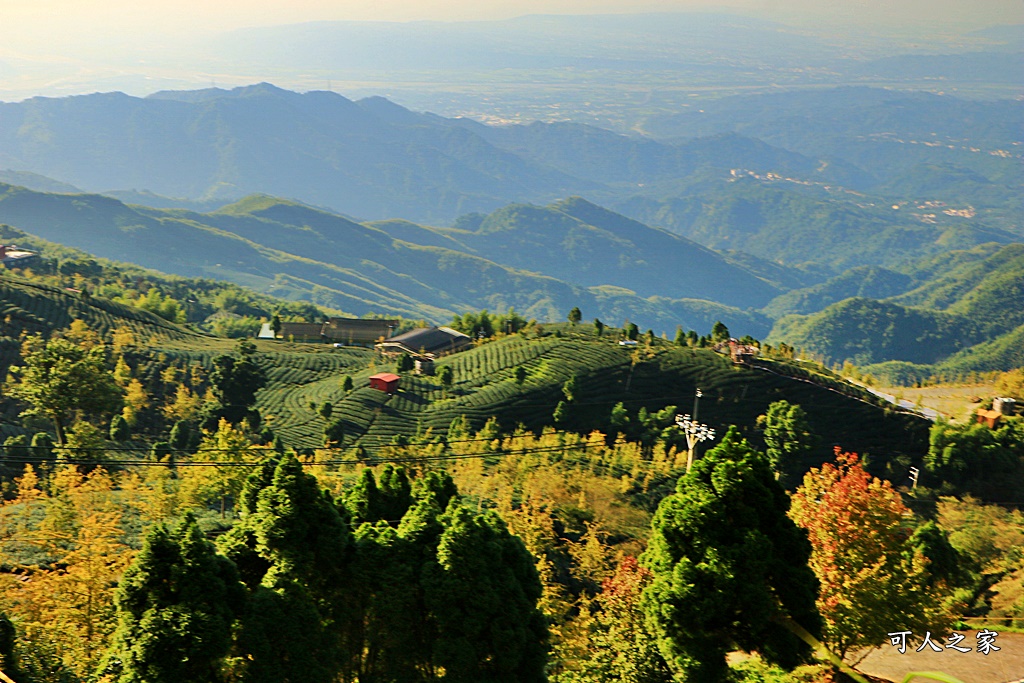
[[652, 376]]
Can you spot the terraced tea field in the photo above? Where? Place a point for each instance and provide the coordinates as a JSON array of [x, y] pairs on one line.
[[484, 386], [651, 376]]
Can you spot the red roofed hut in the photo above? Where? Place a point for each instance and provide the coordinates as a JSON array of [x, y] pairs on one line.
[[385, 381]]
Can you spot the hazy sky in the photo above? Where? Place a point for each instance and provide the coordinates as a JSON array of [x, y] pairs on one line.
[[41, 22]]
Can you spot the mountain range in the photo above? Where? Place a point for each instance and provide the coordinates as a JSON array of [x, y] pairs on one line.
[[377, 160], [407, 213]]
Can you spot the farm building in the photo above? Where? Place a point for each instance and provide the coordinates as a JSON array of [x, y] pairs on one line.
[[13, 257], [301, 332], [989, 418], [352, 331], [426, 342], [385, 381], [340, 331]]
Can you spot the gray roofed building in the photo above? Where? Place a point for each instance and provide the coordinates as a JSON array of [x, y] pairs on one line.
[[427, 342]]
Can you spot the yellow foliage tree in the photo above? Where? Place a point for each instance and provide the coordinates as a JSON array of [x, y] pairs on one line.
[[184, 406], [69, 610], [121, 338], [223, 478], [135, 401], [122, 372], [79, 333]]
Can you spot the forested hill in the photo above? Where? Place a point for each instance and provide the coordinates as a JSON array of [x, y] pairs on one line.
[[958, 313], [598, 260]]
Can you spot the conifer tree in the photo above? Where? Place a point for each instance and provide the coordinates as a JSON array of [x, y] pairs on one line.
[[180, 435], [483, 594], [300, 607], [235, 381], [8, 654], [728, 566], [119, 430], [41, 448], [788, 438], [176, 605], [397, 631]]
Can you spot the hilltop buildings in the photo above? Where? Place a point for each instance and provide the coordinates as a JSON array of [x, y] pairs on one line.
[[426, 343], [13, 257], [340, 331]]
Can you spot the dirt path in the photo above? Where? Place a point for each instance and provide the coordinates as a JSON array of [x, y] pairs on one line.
[[1004, 666]]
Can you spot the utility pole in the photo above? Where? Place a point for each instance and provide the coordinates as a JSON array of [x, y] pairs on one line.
[[695, 431], [914, 474]]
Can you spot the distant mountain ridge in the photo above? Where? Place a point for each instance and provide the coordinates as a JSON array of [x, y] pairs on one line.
[[370, 158]]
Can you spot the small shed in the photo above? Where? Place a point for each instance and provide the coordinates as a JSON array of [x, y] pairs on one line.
[[1004, 405], [385, 381], [990, 418]]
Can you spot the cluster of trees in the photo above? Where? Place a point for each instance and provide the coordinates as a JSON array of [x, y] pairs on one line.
[[222, 308], [67, 380], [393, 577], [972, 459], [393, 580], [484, 325], [526, 557]]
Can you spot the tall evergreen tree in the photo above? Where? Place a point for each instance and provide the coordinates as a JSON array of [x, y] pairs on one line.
[[384, 500], [483, 595], [176, 605], [295, 626], [788, 438], [8, 654], [728, 566], [235, 381], [397, 629]]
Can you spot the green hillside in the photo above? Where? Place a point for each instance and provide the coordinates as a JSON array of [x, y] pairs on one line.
[[297, 252], [864, 281], [577, 241], [794, 224], [866, 331], [963, 315], [653, 376], [605, 374], [988, 289]]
